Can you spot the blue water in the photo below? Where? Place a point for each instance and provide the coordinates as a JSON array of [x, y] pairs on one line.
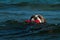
[[21, 14], [31, 1]]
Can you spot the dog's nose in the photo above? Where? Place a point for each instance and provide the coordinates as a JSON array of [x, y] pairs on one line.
[[35, 18]]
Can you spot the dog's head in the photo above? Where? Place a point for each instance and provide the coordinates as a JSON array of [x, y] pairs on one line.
[[36, 17]]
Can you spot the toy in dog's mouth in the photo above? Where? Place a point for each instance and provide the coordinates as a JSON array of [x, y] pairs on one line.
[[36, 19], [29, 21]]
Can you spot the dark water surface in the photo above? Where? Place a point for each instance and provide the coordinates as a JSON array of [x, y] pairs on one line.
[[20, 14]]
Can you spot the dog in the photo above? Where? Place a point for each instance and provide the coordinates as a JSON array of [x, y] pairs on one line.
[[37, 19]]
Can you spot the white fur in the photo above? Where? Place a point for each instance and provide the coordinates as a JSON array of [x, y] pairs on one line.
[[36, 15], [32, 19], [39, 19]]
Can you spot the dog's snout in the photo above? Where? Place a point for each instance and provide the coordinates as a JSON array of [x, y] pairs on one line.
[[35, 18]]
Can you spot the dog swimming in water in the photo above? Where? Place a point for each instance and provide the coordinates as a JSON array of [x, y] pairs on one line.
[[36, 19]]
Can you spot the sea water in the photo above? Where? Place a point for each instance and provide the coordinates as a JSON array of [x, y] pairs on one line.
[[23, 13]]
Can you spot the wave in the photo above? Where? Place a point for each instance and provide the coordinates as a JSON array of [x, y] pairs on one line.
[[34, 1], [11, 24], [33, 6], [39, 6], [11, 28]]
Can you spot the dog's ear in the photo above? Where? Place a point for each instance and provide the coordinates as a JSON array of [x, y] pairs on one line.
[[32, 17], [41, 17]]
